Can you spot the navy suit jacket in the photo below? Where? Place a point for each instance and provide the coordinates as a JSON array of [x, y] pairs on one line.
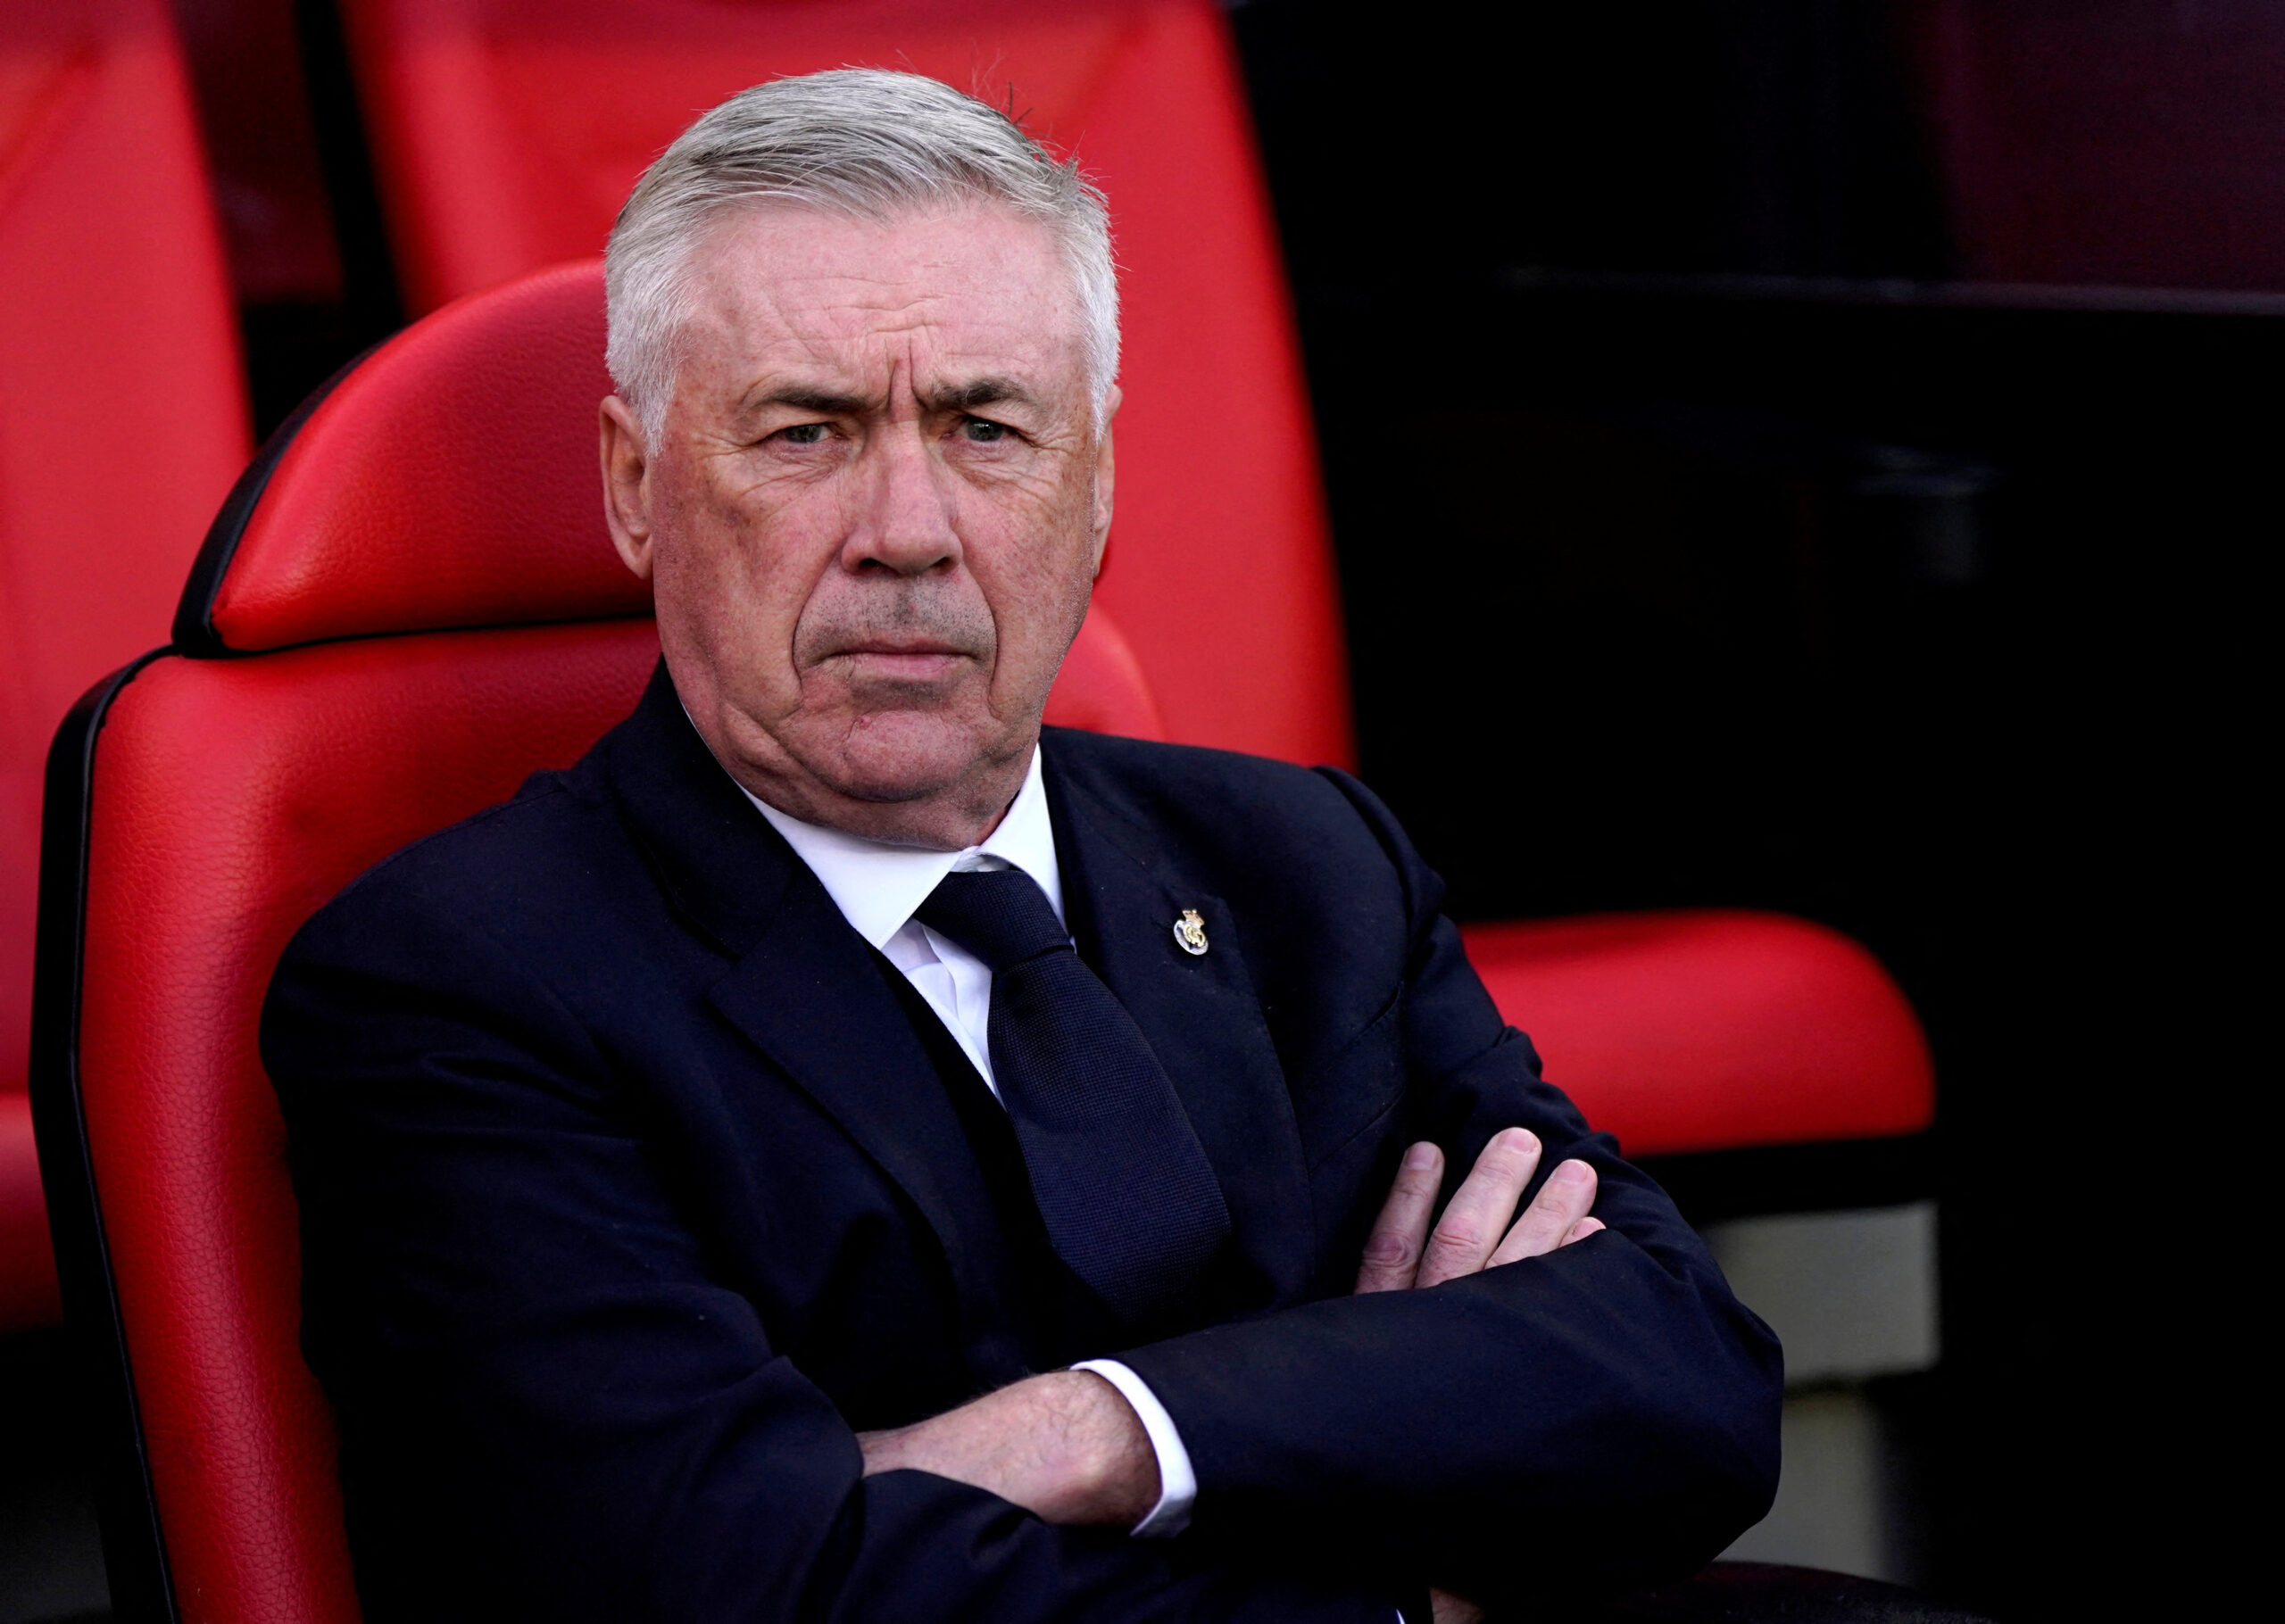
[[634, 1184]]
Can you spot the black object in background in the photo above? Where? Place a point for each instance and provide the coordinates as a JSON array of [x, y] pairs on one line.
[[1814, 456]]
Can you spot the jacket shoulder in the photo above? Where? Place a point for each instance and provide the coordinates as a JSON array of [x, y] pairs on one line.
[[1185, 776], [555, 835], [1250, 814]]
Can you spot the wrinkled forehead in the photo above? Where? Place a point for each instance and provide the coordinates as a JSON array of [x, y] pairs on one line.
[[952, 291]]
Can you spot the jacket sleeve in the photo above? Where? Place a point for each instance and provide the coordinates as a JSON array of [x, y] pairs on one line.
[[548, 1408], [1602, 1417]]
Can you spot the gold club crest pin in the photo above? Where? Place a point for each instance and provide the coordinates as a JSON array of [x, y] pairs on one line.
[[1190, 930]]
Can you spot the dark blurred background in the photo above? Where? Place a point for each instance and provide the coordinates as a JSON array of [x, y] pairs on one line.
[[1810, 454], [1816, 454]]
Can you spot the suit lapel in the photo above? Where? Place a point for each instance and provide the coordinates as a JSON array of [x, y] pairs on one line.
[[1201, 1015], [806, 990]]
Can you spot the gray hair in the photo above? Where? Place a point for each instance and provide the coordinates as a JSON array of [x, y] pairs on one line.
[[859, 142]]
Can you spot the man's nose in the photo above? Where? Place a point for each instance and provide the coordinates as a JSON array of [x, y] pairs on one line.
[[902, 519]]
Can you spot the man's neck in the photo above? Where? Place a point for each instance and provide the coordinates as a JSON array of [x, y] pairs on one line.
[[878, 885], [950, 819]]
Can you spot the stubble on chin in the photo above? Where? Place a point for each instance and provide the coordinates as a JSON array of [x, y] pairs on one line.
[[923, 773]]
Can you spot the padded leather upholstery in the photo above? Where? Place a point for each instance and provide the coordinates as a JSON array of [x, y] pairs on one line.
[[506, 134], [1712, 1030], [232, 798], [122, 420], [454, 486]]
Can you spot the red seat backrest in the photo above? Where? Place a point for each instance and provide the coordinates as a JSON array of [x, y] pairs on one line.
[[123, 421], [409, 603], [506, 134]]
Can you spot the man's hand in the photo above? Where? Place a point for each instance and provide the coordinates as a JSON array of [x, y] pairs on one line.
[[1070, 1449], [1401, 1253], [1065, 1447]]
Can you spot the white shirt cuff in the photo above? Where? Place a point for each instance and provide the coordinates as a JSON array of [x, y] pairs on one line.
[[1177, 1483]]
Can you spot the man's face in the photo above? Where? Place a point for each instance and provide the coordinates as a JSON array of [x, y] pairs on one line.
[[875, 510]]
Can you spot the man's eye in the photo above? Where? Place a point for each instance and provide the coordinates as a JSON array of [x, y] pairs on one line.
[[802, 434], [983, 431]]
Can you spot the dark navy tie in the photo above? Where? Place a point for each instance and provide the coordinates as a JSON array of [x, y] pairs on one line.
[[1129, 1201]]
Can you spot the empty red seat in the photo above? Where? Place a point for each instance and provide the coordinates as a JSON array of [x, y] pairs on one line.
[[122, 420], [1713, 1029]]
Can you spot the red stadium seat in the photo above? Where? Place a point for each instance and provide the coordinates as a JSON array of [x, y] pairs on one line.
[[1712, 1030], [122, 420], [360, 658], [506, 132]]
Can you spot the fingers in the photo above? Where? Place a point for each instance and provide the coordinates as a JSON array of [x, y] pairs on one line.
[[1480, 1208], [1392, 1250], [1399, 1254], [1559, 1209]]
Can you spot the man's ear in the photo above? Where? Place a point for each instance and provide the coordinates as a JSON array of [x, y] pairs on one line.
[[627, 485], [1106, 469]]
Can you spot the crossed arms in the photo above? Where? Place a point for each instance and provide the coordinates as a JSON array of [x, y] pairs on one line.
[[1067, 1448]]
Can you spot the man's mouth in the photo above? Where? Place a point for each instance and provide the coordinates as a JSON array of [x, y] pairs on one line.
[[912, 660]]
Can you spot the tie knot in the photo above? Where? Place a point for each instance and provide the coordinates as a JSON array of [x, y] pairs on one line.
[[1002, 918]]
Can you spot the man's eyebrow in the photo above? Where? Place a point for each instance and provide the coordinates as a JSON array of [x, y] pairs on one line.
[[831, 403], [982, 392], [803, 397]]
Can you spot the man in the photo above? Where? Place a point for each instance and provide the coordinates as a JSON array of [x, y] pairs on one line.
[[838, 1153]]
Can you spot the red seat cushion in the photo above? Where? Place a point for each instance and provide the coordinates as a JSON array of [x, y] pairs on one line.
[[1712, 1030], [122, 420], [506, 134]]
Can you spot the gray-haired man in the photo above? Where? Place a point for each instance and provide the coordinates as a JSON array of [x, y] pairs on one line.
[[839, 1152]]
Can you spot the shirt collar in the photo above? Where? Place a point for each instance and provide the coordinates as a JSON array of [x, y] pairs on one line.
[[876, 885]]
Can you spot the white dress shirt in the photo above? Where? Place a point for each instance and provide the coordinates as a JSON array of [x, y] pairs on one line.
[[877, 887]]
